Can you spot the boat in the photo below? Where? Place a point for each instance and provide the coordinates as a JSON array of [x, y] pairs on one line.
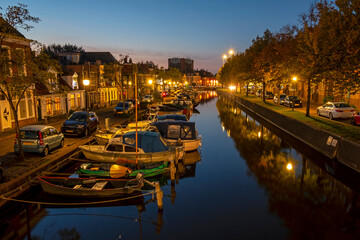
[[172, 117], [90, 187], [112, 170], [152, 149], [103, 138], [173, 131]]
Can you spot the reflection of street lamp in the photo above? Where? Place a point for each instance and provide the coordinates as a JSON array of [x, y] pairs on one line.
[[293, 104], [86, 83]]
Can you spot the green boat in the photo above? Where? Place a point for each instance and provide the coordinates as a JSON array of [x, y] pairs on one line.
[[117, 171]]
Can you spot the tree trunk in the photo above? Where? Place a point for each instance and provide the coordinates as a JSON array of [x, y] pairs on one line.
[[247, 89], [278, 94], [17, 130], [308, 99], [263, 92]]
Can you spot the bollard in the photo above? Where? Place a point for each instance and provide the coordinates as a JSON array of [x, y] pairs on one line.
[[159, 195], [107, 123], [172, 170]]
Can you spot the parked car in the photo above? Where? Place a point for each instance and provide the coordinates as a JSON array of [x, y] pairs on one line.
[[290, 100], [148, 98], [133, 102], [281, 98], [124, 107], [269, 95], [39, 139], [336, 110], [355, 119], [81, 123]]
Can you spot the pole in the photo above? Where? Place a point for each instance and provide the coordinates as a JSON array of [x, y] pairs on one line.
[[136, 123]]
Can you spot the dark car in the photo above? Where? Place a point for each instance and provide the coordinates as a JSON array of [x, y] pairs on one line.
[[80, 123], [124, 107], [290, 100], [269, 95], [133, 102]]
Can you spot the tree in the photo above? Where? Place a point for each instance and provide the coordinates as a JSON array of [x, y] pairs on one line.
[[112, 72], [16, 65], [315, 48], [53, 49]]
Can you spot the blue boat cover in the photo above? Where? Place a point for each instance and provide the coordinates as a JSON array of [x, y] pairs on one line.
[[177, 129], [149, 142]]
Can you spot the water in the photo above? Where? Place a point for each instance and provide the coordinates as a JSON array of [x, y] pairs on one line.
[[243, 188]]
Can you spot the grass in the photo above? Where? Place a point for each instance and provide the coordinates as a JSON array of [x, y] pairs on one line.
[[342, 129]]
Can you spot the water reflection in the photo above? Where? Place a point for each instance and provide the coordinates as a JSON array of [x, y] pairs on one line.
[[32, 221], [312, 203]]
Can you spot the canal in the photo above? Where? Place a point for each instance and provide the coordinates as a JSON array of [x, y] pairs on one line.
[[249, 181]]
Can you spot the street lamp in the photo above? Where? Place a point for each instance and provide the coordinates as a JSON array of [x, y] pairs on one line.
[[224, 58], [294, 80], [231, 52], [86, 83]]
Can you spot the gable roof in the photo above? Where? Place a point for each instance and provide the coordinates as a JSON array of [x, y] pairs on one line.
[[92, 57], [5, 27]]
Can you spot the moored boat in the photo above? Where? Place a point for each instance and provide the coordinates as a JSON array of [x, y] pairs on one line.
[[152, 148], [105, 170], [173, 131], [90, 187]]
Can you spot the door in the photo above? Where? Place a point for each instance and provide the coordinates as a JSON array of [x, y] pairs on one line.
[[38, 106]]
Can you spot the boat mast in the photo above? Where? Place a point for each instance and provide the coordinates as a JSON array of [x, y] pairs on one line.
[[136, 122]]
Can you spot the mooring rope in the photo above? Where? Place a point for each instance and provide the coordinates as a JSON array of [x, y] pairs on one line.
[[71, 204]]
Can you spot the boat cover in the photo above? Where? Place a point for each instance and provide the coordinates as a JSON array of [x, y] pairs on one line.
[[149, 142], [176, 129], [172, 117]]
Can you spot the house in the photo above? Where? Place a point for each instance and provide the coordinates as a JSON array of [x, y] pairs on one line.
[[15, 43], [100, 91]]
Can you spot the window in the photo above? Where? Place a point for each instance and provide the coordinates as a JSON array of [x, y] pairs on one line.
[[48, 106], [53, 131], [186, 133], [130, 149], [173, 131], [57, 104], [103, 97], [30, 107], [114, 148], [129, 140], [72, 100], [45, 133], [22, 109], [19, 59], [79, 100], [5, 60]]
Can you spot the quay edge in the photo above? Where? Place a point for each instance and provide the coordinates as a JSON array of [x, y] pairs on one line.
[[329, 144]]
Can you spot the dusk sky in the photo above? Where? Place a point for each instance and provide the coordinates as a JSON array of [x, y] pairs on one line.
[[156, 30]]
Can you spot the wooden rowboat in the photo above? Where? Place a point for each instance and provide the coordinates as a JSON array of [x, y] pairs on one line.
[[90, 187]]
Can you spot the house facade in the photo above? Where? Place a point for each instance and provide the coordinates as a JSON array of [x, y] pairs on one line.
[[14, 43]]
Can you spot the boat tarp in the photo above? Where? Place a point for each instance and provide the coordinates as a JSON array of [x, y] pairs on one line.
[[149, 142], [172, 117], [176, 129]]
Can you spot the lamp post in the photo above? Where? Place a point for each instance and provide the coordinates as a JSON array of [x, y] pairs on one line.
[[86, 83], [224, 58], [294, 80]]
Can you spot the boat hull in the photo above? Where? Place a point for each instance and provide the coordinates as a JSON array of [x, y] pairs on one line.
[[189, 145], [78, 187], [99, 154]]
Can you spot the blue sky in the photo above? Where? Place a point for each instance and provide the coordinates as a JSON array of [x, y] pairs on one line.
[[160, 29]]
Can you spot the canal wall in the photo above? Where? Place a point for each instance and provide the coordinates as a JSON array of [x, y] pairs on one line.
[[327, 143]]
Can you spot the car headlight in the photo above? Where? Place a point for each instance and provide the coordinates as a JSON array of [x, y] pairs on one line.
[[80, 126]]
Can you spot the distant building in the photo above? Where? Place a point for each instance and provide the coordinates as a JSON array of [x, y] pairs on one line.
[[185, 65]]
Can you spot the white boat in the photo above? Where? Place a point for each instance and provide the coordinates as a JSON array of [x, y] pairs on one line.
[[103, 138], [152, 148], [180, 131]]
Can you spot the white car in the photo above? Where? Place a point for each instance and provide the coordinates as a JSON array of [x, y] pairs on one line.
[[335, 110], [148, 98]]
